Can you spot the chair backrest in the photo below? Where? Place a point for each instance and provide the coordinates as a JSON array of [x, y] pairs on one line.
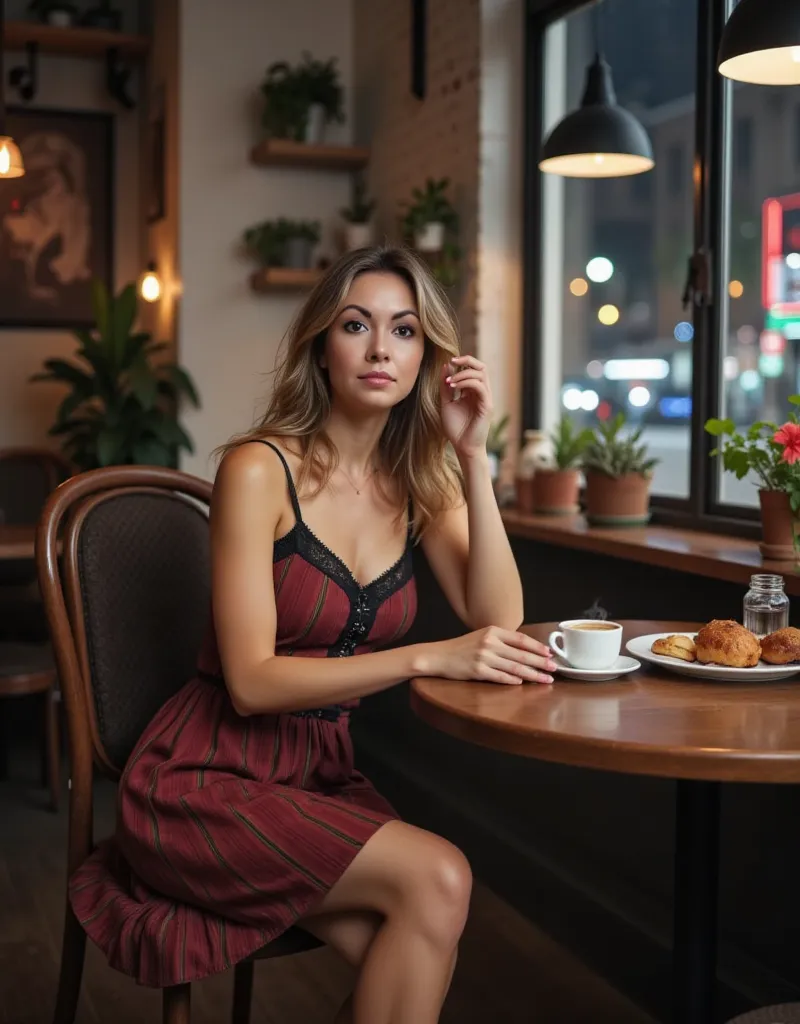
[[128, 606], [27, 478]]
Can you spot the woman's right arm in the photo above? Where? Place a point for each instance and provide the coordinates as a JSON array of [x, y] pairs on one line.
[[249, 493]]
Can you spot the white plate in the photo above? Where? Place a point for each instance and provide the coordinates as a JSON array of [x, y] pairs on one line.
[[620, 667], [760, 673]]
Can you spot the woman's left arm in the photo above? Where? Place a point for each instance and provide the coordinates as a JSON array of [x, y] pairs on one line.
[[467, 547]]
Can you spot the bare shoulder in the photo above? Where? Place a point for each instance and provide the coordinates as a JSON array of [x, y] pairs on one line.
[[250, 482], [251, 464]]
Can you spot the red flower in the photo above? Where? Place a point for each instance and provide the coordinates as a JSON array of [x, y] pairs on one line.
[[789, 437]]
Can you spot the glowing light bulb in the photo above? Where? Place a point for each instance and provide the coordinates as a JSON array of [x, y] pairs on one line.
[[796, 54], [11, 163], [599, 158], [150, 285]]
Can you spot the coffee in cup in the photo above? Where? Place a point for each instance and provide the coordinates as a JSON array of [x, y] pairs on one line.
[[587, 643]]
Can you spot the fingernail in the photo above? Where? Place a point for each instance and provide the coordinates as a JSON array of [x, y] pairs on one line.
[[551, 665], [448, 379], [548, 679]]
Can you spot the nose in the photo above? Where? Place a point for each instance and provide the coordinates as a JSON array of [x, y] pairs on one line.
[[377, 352]]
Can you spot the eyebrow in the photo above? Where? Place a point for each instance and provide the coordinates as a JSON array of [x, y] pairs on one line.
[[395, 316]]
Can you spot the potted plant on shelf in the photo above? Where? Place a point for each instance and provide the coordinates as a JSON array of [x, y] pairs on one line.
[[122, 407], [358, 218], [618, 473], [556, 488], [282, 242], [103, 16], [324, 94], [430, 217], [772, 453], [302, 236], [54, 12], [299, 101]]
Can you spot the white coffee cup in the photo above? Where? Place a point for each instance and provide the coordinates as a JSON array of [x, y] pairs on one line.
[[588, 643]]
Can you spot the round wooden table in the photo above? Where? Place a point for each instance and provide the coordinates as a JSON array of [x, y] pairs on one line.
[[651, 722]]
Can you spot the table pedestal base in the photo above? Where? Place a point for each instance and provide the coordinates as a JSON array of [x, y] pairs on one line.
[[695, 901]]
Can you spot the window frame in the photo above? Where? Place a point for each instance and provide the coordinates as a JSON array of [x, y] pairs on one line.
[[712, 162]]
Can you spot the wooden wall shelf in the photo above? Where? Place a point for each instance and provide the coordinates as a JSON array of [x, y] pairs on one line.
[[279, 279], [74, 42], [286, 153]]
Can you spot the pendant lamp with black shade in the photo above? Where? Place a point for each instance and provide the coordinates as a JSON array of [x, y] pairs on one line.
[[600, 139], [761, 43], [11, 165]]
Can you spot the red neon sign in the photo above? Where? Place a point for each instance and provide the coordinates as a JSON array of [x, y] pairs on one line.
[[773, 259]]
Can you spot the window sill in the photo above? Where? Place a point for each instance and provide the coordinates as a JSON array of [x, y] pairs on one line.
[[714, 555]]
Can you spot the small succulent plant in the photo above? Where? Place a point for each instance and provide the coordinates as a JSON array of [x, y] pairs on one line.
[[614, 455]]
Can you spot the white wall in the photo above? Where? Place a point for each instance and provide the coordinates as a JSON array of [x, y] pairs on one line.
[[227, 335], [28, 410]]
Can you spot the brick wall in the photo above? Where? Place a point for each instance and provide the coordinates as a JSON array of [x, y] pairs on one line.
[[414, 139]]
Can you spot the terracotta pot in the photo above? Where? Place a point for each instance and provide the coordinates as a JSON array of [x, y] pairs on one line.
[[617, 501], [555, 491], [778, 527]]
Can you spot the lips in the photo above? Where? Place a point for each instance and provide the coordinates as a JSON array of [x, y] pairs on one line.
[[376, 376]]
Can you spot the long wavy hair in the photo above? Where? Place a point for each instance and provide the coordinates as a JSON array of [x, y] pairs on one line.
[[413, 457]]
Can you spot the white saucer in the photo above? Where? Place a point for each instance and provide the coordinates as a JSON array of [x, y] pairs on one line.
[[622, 666]]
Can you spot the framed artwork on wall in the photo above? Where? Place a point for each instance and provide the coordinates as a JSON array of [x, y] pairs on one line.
[[57, 221]]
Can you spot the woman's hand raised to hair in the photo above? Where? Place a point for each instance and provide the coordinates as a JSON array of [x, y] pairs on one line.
[[489, 655], [466, 421]]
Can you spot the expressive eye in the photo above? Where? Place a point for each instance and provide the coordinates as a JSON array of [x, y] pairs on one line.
[[405, 330], [354, 326]]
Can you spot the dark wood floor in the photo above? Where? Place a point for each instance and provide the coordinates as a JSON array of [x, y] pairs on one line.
[[508, 972]]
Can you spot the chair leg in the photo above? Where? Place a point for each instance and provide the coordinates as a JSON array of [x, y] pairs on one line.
[[73, 949], [242, 992], [53, 755], [177, 1004]]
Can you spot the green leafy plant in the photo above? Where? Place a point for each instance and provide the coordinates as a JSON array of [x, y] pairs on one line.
[[615, 455], [121, 408], [321, 82], [430, 205], [569, 443], [290, 91], [360, 209], [497, 439], [266, 242], [770, 451]]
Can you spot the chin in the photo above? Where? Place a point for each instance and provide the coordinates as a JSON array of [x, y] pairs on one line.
[[371, 403]]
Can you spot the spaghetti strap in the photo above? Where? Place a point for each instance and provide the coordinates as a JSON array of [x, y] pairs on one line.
[[289, 480]]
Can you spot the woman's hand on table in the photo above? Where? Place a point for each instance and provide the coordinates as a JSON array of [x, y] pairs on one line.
[[489, 655]]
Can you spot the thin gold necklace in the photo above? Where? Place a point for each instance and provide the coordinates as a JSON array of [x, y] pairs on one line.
[[352, 483]]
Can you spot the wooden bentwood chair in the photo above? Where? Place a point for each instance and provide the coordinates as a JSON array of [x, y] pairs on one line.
[[126, 621]]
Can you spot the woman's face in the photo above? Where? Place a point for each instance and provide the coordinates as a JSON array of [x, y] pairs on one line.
[[374, 347]]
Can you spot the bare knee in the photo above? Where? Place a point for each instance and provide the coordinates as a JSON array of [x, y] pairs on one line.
[[439, 891]]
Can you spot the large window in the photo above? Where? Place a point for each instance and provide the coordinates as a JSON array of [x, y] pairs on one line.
[[611, 322], [762, 300]]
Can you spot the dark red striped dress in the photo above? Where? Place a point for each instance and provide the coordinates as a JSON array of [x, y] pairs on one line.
[[231, 828]]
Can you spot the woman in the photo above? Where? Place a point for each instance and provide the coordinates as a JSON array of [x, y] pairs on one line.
[[240, 812]]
